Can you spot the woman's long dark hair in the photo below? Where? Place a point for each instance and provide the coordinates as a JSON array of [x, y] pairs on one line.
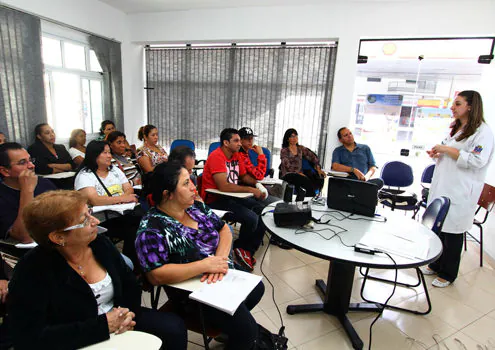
[[475, 117], [165, 177], [285, 140], [93, 150], [37, 131]]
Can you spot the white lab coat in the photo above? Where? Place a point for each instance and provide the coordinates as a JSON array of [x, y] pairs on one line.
[[462, 180]]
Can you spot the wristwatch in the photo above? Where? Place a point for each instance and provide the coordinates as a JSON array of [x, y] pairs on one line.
[[352, 169]]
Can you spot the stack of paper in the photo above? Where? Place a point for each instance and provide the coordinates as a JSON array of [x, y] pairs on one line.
[[227, 294], [119, 208], [403, 246]]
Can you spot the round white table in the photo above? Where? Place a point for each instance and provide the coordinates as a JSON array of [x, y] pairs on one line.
[[129, 340], [344, 259]]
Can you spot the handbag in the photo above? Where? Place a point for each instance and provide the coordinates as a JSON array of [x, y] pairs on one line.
[[270, 341]]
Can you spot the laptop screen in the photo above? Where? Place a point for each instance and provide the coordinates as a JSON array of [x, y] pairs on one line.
[[353, 196]]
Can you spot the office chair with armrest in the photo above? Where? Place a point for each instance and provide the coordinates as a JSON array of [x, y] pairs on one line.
[[300, 181], [426, 178], [486, 202], [182, 142], [433, 218], [397, 175], [213, 146]]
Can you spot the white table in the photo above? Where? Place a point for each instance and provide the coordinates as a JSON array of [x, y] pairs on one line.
[[129, 340], [344, 259]]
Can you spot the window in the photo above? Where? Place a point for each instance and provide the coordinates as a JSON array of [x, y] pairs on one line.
[[73, 86]]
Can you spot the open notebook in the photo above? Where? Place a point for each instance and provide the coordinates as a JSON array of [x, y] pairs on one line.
[[227, 294]]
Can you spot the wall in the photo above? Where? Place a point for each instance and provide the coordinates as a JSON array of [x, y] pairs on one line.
[[348, 22]]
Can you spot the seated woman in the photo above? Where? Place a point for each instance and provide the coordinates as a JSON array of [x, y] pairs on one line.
[[180, 239], [291, 157], [50, 157], [117, 142], [104, 184], [83, 290], [77, 146], [150, 154], [107, 126]]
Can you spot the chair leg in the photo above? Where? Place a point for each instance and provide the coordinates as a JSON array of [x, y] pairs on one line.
[[481, 245], [465, 241], [206, 341]]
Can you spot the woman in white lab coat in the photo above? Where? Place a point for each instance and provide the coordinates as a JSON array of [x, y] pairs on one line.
[[462, 163]]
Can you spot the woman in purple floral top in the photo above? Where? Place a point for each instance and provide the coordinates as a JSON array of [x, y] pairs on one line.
[[181, 238]]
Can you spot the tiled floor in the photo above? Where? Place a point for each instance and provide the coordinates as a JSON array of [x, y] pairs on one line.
[[463, 315]]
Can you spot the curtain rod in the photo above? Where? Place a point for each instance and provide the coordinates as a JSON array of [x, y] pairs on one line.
[[241, 45], [59, 23]]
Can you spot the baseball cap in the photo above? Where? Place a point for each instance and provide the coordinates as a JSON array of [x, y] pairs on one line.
[[246, 132]]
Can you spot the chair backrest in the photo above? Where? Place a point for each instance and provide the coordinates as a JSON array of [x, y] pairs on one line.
[[397, 174], [213, 146], [182, 142], [253, 156], [307, 165], [427, 175], [487, 197], [199, 183], [436, 213]]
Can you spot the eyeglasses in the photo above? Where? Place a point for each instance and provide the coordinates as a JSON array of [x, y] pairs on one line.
[[83, 224], [23, 162]]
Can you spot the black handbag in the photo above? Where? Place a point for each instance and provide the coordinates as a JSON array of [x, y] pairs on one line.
[[270, 341]]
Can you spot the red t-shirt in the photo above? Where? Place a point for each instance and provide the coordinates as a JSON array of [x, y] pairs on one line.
[[217, 162]]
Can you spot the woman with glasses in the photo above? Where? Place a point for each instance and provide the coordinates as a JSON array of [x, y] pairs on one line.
[[104, 184], [291, 157], [50, 157], [74, 289]]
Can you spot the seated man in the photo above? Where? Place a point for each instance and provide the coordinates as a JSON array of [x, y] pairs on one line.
[[354, 158], [224, 171], [18, 187], [247, 142]]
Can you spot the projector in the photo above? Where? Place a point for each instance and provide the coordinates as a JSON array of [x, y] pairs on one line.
[[292, 214]]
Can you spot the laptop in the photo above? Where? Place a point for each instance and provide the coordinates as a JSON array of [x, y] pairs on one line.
[[353, 196]]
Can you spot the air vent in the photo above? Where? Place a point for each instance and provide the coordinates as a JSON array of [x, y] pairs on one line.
[[374, 80]]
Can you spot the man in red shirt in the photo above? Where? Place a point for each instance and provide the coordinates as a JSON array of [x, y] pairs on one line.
[[247, 142], [224, 171]]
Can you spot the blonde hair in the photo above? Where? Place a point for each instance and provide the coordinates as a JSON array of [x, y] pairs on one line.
[[52, 211]]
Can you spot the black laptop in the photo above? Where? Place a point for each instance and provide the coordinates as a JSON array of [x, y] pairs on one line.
[[353, 196]]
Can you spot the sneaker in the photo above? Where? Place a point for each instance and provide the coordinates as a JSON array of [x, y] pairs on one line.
[[427, 271], [439, 284], [244, 257]]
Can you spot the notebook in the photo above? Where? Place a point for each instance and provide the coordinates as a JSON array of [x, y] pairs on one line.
[[227, 294], [353, 196]]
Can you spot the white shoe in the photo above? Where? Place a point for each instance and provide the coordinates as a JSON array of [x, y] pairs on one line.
[[437, 283], [427, 271]]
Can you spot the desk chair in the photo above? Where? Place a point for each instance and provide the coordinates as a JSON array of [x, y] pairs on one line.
[[182, 142], [300, 181], [486, 202], [397, 175], [253, 156], [433, 218], [426, 178], [213, 146]]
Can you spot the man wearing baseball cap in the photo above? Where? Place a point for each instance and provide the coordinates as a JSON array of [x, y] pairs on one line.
[[247, 142]]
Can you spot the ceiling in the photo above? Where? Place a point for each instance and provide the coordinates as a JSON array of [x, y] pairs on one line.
[[142, 6]]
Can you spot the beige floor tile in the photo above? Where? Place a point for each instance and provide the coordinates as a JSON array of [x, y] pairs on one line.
[[334, 340], [482, 331], [458, 341], [301, 279], [423, 329], [491, 314], [476, 298], [305, 258], [283, 293], [302, 328], [146, 299], [278, 259], [321, 268], [482, 277]]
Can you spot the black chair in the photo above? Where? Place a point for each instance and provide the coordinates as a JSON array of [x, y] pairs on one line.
[[433, 218], [426, 178], [397, 175]]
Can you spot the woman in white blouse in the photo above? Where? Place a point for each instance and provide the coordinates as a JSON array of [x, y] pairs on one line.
[[77, 146]]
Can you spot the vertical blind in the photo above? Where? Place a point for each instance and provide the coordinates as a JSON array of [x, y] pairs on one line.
[[22, 98], [195, 92]]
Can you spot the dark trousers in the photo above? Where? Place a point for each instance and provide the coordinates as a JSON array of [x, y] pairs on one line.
[[125, 228], [241, 328], [245, 211], [167, 326], [447, 266]]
